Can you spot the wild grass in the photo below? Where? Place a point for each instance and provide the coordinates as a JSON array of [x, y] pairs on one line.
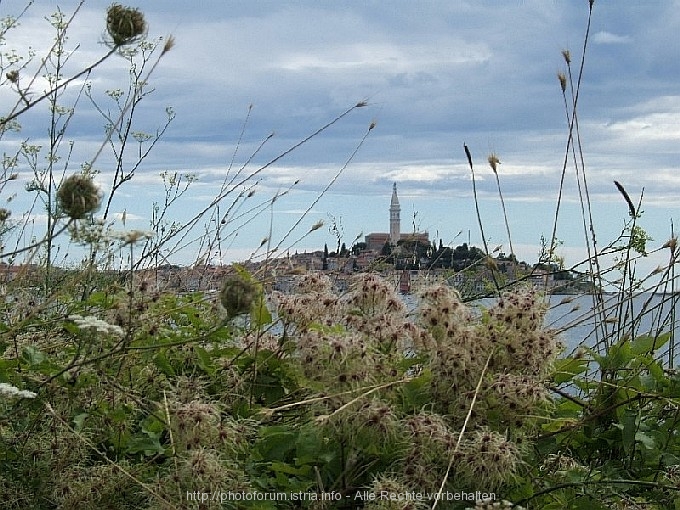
[[118, 392]]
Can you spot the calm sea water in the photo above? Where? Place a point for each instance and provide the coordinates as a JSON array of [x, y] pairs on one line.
[[582, 320]]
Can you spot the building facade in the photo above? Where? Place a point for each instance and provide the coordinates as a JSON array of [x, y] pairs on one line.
[[395, 220], [375, 241]]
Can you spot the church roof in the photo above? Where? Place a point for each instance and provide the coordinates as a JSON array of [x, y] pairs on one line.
[[395, 200]]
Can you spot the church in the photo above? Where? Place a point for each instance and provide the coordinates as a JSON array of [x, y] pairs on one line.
[[377, 240]]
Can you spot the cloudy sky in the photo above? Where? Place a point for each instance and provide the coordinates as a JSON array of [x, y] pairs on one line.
[[248, 80]]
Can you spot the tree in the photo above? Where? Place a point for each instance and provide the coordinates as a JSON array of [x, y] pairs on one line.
[[358, 248], [461, 252]]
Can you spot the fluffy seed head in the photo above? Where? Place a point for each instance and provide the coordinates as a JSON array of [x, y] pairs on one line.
[[124, 25], [238, 294], [563, 81], [494, 162], [169, 44], [78, 196], [489, 458], [671, 244], [567, 56]]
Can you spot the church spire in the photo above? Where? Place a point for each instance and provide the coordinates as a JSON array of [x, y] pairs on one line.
[[395, 222]]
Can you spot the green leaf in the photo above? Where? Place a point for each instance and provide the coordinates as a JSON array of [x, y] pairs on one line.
[[32, 356], [647, 441], [118, 440], [275, 443], [204, 360], [71, 328], [79, 421], [565, 369], [647, 343], [146, 445], [415, 394], [587, 503], [569, 408], [161, 361], [628, 426], [282, 467], [8, 368], [152, 426], [259, 313], [618, 356], [101, 299], [559, 424], [656, 371]]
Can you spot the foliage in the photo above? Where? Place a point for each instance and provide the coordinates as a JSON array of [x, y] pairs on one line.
[[147, 395], [617, 440]]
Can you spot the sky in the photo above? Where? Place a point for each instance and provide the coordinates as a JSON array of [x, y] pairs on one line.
[[249, 80]]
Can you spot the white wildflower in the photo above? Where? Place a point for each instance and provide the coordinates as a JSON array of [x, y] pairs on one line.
[[129, 236], [7, 390], [91, 322]]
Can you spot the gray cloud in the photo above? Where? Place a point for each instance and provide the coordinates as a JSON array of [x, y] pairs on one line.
[[434, 75]]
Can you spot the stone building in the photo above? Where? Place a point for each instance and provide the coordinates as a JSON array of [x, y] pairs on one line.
[[376, 241]]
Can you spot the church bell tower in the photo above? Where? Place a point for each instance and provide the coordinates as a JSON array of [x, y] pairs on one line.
[[395, 222]]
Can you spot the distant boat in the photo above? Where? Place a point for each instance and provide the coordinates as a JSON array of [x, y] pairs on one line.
[[405, 282]]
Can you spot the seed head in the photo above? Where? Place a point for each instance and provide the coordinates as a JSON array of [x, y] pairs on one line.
[[134, 236], [494, 162], [563, 81], [125, 25], [169, 44], [567, 56], [671, 244], [78, 196], [238, 294]]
